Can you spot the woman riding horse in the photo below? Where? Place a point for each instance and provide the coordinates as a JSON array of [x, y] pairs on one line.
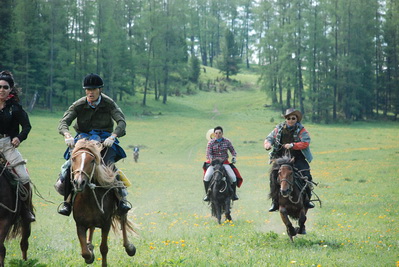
[[12, 115], [291, 137], [94, 116], [217, 148]]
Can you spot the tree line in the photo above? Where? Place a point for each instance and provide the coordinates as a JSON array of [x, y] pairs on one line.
[[332, 59]]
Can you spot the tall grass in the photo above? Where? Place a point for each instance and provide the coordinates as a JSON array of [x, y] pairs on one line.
[[355, 165]]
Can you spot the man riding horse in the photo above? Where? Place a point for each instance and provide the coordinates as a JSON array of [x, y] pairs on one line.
[[94, 114], [292, 137], [217, 148]]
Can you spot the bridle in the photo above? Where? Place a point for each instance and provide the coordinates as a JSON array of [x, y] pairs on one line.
[[222, 173], [81, 169], [290, 183]]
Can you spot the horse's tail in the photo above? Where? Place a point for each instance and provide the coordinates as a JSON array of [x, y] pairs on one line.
[[16, 230], [123, 220]]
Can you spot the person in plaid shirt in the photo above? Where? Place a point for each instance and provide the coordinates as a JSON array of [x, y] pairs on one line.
[[217, 148]]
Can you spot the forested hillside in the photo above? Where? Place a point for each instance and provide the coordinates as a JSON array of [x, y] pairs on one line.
[[332, 59]]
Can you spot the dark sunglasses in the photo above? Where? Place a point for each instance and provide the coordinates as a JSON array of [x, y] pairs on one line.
[[292, 118], [6, 87]]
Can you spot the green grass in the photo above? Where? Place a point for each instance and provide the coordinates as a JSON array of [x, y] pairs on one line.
[[356, 166]]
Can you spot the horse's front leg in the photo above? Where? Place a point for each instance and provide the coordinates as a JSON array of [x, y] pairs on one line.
[[284, 216], [90, 238], [228, 210], [87, 254], [104, 244], [24, 244], [301, 222], [218, 207], [129, 247]]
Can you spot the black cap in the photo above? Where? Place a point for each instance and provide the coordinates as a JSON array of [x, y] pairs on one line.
[[92, 81]]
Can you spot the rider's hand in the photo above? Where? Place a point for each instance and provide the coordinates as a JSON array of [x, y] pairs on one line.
[[288, 146], [109, 141], [69, 140], [233, 160], [267, 145], [15, 142]]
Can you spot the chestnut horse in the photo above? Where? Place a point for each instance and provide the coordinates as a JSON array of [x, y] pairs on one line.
[[95, 203], [221, 192], [12, 223], [290, 191]]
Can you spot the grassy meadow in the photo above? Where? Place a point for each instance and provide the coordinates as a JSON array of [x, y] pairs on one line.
[[356, 166]]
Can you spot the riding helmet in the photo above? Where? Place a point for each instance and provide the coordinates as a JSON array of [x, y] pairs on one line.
[[92, 81]]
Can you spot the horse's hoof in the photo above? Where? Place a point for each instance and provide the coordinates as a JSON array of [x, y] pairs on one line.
[[130, 250], [91, 260], [292, 232]]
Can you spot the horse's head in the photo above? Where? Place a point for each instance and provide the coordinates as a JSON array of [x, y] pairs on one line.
[[85, 158], [285, 177], [218, 170]]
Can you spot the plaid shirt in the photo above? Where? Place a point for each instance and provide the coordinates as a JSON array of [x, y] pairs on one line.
[[217, 149]]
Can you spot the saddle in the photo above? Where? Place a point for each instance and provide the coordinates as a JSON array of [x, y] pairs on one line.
[[4, 171]]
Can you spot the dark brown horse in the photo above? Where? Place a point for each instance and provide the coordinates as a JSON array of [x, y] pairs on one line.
[[290, 191], [12, 223], [221, 192], [95, 203]]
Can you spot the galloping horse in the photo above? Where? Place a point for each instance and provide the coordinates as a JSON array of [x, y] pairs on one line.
[[290, 195], [95, 204], [12, 223], [221, 192]]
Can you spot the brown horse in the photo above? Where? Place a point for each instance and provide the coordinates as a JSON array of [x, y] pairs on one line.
[[221, 192], [95, 203], [12, 223], [290, 195]]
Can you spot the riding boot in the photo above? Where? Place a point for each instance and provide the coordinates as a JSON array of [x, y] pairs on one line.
[[307, 202], [274, 206], [206, 185], [66, 208], [234, 187], [28, 212]]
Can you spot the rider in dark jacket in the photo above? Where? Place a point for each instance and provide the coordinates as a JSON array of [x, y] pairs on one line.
[[95, 114], [293, 137]]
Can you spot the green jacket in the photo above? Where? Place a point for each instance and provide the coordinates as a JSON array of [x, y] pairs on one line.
[[100, 118]]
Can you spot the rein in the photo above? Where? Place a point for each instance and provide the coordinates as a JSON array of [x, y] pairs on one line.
[[292, 184], [223, 179], [81, 169], [92, 186]]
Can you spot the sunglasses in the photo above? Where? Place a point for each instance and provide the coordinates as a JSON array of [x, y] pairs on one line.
[[6, 87], [292, 118]]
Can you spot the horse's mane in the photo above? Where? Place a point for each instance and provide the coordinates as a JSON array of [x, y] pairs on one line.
[[103, 174], [281, 161]]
